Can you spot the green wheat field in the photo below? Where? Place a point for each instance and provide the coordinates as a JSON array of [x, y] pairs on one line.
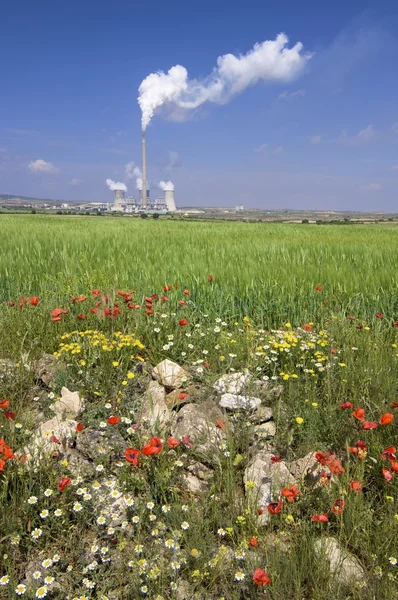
[[308, 312]]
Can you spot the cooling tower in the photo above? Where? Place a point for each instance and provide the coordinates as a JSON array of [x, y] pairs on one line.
[[144, 194], [169, 200], [120, 199]]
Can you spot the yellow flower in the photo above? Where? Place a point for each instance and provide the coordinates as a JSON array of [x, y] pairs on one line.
[[115, 363], [288, 325], [314, 404], [124, 382], [130, 375], [289, 519], [83, 363], [342, 365], [299, 420]]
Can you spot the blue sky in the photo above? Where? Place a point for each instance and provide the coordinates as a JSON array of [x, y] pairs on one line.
[[328, 139]]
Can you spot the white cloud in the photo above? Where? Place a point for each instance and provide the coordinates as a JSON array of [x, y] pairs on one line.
[[394, 168], [261, 148], [362, 137], [75, 181], [316, 139], [278, 150], [270, 60], [372, 187], [290, 95], [395, 127], [41, 166]]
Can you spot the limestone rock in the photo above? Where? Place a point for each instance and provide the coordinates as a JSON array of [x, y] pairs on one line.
[[269, 478], [198, 421], [91, 442], [111, 501], [264, 431], [173, 399], [52, 435], [307, 468], [69, 405], [262, 415], [343, 565], [154, 409], [45, 369], [233, 383], [233, 402], [169, 374], [201, 471], [193, 484]]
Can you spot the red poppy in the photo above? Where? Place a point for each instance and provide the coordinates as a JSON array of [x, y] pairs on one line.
[[253, 541], [290, 493], [275, 459], [351, 318], [11, 303], [379, 315], [389, 453], [23, 301], [260, 577], [186, 440], [153, 447], [149, 312], [344, 405], [387, 474], [338, 507], [2, 464], [319, 288], [186, 292], [182, 322], [4, 403], [9, 415], [63, 483], [96, 293], [164, 298], [182, 396], [274, 508], [5, 450], [56, 314], [148, 299], [210, 277], [356, 486], [181, 302], [320, 518], [167, 288], [155, 296], [335, 465], [359, 414], [359, 326], [55, 440], [386, 419], [394, 405], [396, 324], [172, 442], [206, 364], [369, 425], [394, 466], [322, 457], [113, 420], [131, 455], [333, 351], [307, 327], [34, 301], [81, 317], [79, 427], [220, 424]]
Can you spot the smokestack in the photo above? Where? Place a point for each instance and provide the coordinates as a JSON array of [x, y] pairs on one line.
[[144, 196], [120, 199]]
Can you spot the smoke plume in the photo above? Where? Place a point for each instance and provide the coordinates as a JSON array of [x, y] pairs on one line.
[[132, 171], [116, 185], [271, 60], [166, 186]]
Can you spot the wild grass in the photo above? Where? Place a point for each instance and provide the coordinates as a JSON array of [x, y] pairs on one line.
[[264, 277]]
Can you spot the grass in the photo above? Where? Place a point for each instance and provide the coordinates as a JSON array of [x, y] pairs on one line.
[[263, 290]]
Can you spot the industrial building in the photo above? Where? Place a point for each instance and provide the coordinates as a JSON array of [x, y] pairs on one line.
[[144, 203]]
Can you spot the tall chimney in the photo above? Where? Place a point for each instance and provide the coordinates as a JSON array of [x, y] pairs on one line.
[[144, 198]]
